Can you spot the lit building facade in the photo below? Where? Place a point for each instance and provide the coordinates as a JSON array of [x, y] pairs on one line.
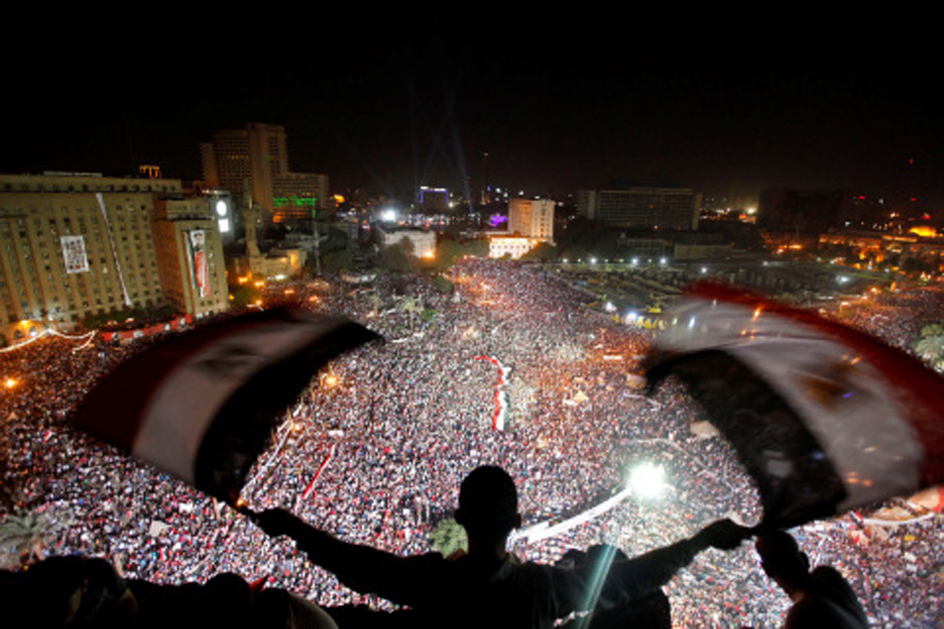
[[74, 246], [514, 247], [256, 158], [423, 242], [531, 218], [530, 221], [189, 250]]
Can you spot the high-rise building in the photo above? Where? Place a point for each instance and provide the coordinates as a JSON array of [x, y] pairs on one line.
[[530, 222], [256, 158], [73, 246], [531, 218], [642, 207]]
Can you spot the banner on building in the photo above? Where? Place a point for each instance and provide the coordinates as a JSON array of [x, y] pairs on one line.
[[196, 248], [73, 254]]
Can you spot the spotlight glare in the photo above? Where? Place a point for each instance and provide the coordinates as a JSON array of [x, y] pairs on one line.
[[647, 480]]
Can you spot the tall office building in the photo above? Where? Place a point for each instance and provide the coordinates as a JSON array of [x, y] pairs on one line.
[[73, 246], [642, 207], [530, 222], [256, 158], [531, 218]]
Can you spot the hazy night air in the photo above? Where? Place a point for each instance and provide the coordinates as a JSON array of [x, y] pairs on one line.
[[554, 109]]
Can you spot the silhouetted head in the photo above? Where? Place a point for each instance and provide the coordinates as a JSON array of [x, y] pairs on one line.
[[488, 504], [782, 559], [75, 592]]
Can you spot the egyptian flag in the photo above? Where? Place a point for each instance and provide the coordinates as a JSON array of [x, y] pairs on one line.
[[501, 396], [825, 418], [202, 405]]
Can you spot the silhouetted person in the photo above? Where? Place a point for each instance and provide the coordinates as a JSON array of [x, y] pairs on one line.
[[76, 592], [68, 592], [821, 597], [487, 586]]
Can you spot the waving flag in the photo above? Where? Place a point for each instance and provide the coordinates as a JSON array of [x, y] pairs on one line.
[[501, 395], [201, 405], [824, 417]]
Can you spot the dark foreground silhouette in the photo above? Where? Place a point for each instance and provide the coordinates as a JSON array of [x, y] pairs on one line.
[[484, 587], [488, 586], [821, 597]]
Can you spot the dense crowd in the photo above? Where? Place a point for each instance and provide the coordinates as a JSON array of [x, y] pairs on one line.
[[377, 446]]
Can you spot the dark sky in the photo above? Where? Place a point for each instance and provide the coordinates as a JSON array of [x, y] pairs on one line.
[[557, 107]]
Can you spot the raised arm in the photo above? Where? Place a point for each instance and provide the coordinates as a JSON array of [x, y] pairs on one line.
[[361, 568], [628, 579]]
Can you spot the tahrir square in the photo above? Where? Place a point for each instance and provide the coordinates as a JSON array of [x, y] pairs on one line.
[[81, 246]]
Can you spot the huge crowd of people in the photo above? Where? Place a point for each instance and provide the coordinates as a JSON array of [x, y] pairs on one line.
[[378, 444]]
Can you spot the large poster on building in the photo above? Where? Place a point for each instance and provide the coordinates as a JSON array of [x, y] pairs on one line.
[[73, 254], [196, 247]]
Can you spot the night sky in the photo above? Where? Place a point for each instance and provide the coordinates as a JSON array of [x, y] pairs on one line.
[[558, 106]]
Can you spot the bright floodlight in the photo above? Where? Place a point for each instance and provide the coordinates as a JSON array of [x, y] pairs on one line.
[[647, 480]]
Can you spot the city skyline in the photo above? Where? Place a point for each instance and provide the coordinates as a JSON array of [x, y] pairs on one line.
[[553, 115]]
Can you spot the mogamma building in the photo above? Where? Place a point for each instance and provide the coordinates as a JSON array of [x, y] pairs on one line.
[[78, 245], [657, 208]]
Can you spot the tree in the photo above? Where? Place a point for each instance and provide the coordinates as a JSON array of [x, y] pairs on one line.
[[376, 303], [341, 260], [541, 252], [448, 537], [399, 256], [583, 237], [448, 251], [934, 329], [25, 533], [931, 346], [477, 248], [243, 295], [441, 284], [410, 306]]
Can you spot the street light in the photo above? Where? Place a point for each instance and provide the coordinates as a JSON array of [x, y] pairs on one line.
[[330, 381], [647, 480]]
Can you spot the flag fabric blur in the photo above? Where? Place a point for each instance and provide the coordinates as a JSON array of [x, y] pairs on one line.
[[824, 417], [201, 405]]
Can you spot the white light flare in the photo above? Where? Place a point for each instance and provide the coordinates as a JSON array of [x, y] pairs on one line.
[[647, 480]]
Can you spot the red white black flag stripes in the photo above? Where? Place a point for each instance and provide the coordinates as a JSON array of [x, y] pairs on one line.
[[824, 417], [201, 405]]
